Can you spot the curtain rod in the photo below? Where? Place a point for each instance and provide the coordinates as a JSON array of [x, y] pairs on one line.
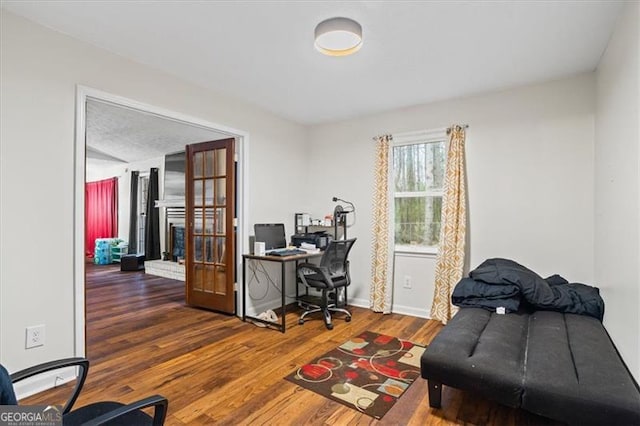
[[460, 126], [141, 173], [419, 132]]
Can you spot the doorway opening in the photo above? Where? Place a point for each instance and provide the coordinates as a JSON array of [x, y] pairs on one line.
[[87, 98]]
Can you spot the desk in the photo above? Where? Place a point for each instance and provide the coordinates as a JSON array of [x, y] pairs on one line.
[[283, 260]]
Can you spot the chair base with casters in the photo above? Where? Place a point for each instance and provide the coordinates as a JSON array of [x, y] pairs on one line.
[[323, 305], [331, 277], [103, 412]]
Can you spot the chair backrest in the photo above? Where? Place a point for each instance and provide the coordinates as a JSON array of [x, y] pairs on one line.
[[335, 256], [97, 413], [7, 395], [82, 365]]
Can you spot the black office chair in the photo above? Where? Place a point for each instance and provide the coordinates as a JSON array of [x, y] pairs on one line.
[[331, 277], [99, 413]]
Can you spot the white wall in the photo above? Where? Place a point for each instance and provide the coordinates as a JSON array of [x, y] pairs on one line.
[[96, 172], [617, 185], [39, 73], [420, 270], [530, 172]]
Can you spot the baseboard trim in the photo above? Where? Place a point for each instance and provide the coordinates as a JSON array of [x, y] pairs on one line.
[[360, 303], [258, 308], [410, 311], [396, 309]]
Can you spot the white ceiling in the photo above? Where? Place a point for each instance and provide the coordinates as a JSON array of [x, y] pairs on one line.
[[413, 52], [115, 134]]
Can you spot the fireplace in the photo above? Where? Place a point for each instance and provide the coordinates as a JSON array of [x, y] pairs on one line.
[[176, 244], [173, 206]]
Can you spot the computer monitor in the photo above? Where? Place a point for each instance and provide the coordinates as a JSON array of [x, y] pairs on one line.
[[271, 234]]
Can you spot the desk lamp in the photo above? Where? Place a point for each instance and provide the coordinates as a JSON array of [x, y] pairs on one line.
[[340, 216]]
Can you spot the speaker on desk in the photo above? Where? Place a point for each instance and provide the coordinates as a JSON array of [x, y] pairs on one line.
[[259, 248], [252, 241]]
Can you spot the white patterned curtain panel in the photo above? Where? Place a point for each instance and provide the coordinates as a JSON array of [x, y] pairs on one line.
[[450, 259], [381, 267]]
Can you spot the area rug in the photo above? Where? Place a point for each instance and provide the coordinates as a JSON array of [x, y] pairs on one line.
[[369, 372]]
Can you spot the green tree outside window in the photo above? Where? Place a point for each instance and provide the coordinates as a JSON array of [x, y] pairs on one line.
[[418, 172]]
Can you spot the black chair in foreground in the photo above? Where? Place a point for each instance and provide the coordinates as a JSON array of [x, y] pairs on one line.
[[331, 277], [99, 413]]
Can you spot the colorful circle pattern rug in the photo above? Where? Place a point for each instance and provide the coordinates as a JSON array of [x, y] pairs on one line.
[[369, 372]]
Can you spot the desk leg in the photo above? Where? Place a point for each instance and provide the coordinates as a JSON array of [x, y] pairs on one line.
[[283, 271], [244, 289], [295, 278]]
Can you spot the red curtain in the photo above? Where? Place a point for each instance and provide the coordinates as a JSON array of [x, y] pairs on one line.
[[101, 211]]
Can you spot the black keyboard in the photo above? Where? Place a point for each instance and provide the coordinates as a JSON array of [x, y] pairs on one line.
[[288, 252]]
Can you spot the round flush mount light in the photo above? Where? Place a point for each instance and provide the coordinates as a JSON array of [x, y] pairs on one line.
[[338, 36]]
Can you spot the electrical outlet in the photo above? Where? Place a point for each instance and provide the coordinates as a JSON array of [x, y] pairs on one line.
[[407, 282], [35, 336]]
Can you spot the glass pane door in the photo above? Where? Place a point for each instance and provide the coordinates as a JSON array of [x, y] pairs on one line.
[[210, 205]]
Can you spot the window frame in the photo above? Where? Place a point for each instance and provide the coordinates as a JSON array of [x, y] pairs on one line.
[[143, 195], [415, 138]]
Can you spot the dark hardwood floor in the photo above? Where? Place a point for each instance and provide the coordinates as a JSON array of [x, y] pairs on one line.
[[215, 369]]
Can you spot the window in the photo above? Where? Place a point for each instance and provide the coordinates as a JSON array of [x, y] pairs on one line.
[[418, 176], [143, 185]]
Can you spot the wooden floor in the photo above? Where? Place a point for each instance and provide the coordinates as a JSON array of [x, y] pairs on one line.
[[216, 369]]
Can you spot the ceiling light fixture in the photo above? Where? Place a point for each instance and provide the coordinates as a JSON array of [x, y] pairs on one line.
[[338, 36]]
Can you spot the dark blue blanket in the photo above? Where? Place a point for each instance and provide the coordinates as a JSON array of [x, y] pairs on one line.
[[469, 293], [505, 283]]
